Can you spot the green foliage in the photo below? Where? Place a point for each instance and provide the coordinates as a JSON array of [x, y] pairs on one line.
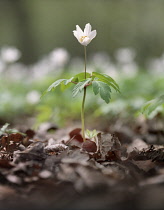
[[103, 89], [3, 129], [6, 130], [101, 83], [151, 105], [81, 76], [91, 134], [78, 79], [106, 79], [57, 83], [80, 86], [57, 108]]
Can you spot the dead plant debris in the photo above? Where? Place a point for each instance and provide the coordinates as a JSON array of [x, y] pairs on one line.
[[106, 165]]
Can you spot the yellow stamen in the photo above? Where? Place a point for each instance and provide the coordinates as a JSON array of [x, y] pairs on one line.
[[82, 38]]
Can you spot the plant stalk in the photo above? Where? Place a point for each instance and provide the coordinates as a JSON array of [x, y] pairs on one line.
[[84, 96]]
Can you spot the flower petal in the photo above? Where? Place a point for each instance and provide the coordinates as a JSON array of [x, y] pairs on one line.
[[87, 29], [76, 34], [92, 34], [79, 31], [86, 41]]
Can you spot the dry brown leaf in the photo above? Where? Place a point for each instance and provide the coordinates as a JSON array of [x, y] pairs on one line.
[[108, 143], [138, 144], [145, 165], [76, 156], [76, 135]]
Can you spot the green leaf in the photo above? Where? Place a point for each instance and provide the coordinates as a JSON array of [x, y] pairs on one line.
[[66, 84], [150, 106], [57, 83], [4, 130], [63, 87], [10, 131], [91, 134], [66, 81], [105, 76], [79, 87], [4, 127], [106, 79], [103, 89], [95, 87], [81, 76]]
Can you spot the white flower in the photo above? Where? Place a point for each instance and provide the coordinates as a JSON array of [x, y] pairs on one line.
[[59, 57], [33, 97], [84, 37], [10, 54]]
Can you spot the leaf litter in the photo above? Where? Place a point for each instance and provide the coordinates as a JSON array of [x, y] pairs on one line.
[[116, 168]]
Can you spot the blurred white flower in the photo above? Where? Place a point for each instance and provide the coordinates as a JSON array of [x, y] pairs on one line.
[[137, 102], [33, 97], [100, 58], [59, 57], [2, 66], [125, 61], [40, 69], [156, 66], [125, 55], [10, 54], [54, 62], [84, 37]]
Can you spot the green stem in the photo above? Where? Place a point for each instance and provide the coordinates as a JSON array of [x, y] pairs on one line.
[[84, 96], [82, 115], [85, 61]]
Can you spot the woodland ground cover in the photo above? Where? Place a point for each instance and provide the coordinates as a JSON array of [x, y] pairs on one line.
[[45, 164]]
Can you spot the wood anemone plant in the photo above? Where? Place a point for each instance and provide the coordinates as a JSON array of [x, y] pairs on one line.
[[101, 83]]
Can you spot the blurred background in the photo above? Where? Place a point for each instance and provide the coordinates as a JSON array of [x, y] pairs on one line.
[[37, 47]]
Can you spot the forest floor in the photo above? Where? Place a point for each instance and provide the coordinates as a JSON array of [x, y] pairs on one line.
[[53, 169]]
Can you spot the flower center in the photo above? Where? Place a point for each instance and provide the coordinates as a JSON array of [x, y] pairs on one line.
[[82, 38]]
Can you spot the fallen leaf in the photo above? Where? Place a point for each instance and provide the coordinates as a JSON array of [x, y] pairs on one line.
[[138, 144], [145, 165], [107, 144], [75, 135]]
